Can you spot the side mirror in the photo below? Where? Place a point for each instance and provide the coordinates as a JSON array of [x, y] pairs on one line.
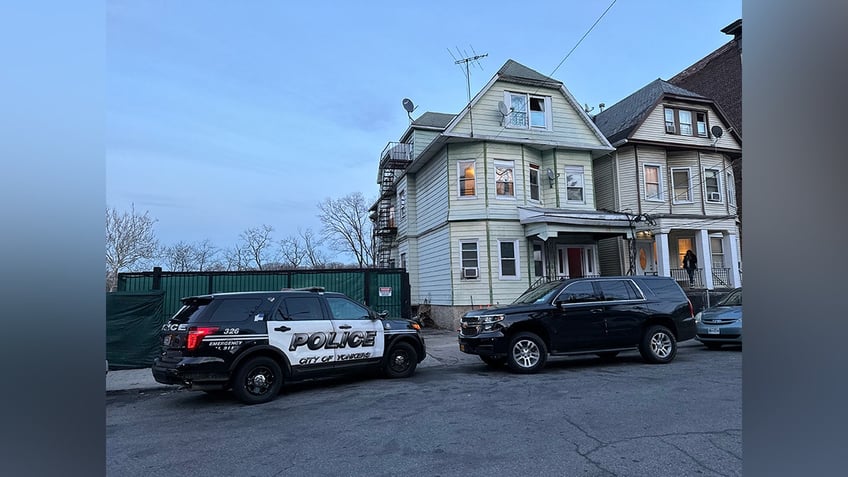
[[383, 314], [558, 304]]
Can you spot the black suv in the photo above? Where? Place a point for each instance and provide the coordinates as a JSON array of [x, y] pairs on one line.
[[603, 316], [251, 342]]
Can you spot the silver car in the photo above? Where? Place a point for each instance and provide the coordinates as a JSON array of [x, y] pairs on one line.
[[721, 323]]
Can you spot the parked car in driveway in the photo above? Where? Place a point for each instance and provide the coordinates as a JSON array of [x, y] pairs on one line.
[[721, 323], [598, 315]]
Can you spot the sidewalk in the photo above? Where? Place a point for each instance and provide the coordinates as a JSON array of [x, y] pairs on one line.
[[442, 350]]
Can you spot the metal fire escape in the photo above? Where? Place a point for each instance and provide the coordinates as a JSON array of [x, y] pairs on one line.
[[394, 159]]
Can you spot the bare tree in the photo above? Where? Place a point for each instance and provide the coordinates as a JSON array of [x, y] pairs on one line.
[[130, 241], [235, 259], [348, 227], [314, 256], [185, 257], [256, 244], [292, 251]]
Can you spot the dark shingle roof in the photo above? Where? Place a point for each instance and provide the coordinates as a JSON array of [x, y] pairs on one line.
[[515, 72], [433, 120], [619, 120]]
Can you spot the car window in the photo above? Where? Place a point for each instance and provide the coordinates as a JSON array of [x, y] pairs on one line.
[[665, 288], [578, 292], [734, 298], [344, 309], [301, 309], [540, 294], [613, 290], [192, 311], [238, 309]]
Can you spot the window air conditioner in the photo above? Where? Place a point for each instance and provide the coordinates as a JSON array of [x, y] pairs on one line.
[[469, 272], [715, 197]]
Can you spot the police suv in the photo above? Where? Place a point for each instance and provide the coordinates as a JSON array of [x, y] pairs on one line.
[[251, 342]]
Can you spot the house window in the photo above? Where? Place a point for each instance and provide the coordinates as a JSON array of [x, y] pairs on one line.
[[505, 178], [508, 259], [538, 259], [574, 184], [468, 259], [467, 179], [683, 245], [402, 203], [534, 182], [711, 185], [680, 183], [717, 252], [731, 189], [527, 111], [653, 182], [403, 261], [680, 121]]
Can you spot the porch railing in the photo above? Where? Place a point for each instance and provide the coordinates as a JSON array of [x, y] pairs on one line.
[[546, 279]]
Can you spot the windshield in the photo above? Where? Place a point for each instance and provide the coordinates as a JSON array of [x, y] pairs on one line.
[[733, 298], [540, 294]]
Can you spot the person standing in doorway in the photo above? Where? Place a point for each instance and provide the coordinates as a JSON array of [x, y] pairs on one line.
[[690, 264]]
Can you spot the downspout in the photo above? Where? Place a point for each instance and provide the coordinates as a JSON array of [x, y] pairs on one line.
[[638, 180]]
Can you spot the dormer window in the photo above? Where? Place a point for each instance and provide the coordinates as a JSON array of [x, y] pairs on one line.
[[685, 122], [527, 111]]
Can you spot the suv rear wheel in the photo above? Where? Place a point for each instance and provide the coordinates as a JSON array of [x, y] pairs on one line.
[[258, 380], [658, 345], [527, 353]]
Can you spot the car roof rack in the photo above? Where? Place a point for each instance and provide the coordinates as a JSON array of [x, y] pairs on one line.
[[309, 289]]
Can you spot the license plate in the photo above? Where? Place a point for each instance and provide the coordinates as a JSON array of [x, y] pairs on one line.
[[462, 347], [713, 330], [167, 340]]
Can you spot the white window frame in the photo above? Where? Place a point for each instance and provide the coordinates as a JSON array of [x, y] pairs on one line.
[[501, 164], [717, 172], [462, 264], [717, 251], [538, 256], [575, 170], [460, 170], [509, 121], [538, 186], [516, 258], [691, 198], [402, 203], [660, 192], [730, 187]]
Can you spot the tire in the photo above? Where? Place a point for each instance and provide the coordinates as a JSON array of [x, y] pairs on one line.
[[401, 361], [493, 362], [608, 355], [258, 380], [527, 353], [713, 346], [658, 345]]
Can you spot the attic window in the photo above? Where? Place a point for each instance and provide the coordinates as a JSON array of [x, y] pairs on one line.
[[680, 122], [527, 111]]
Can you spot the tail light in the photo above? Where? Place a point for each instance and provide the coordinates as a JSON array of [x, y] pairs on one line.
[[691, 308], [196, 334]]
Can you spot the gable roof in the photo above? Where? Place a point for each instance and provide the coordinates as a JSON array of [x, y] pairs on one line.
[[433, 120], [621, 119], [515, 72]]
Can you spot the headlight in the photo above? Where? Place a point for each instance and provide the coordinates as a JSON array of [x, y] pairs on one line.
[[490, 319], [698, 318]]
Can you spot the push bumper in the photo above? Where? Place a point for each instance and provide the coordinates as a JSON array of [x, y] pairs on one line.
[[190, 371], [484, 344]]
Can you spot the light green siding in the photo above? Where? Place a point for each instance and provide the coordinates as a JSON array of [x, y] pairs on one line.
[[434, 267], [431, 196], [653, 129], [605, 183], [421, 139]]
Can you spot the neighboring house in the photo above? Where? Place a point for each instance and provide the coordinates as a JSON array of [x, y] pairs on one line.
[[719, 76], [672, 170], [480, 205]]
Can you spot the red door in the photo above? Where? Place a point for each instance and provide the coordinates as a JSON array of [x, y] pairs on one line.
[[575, 262]]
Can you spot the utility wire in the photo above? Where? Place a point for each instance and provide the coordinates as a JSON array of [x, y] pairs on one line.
[[584, 36]]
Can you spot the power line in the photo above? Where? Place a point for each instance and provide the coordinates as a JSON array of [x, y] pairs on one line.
[[584, 36]]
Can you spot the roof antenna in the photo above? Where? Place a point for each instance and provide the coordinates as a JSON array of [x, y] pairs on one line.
[[469, 59]]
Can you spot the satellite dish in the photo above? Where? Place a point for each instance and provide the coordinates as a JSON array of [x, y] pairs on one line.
[[716, 130], [407, 105], [502, 108], [551, 175]]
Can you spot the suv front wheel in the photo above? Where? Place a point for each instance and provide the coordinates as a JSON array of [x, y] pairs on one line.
[[527, 353], [658, 345]]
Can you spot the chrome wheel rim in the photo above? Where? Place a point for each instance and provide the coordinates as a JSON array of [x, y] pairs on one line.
[[526, 353], [661, 345]]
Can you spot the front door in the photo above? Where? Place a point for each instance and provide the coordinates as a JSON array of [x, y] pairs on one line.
[[646, 261], [300, 330], [576, 261]]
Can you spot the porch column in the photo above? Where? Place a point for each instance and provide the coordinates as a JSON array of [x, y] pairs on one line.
[[663, 255], [705, 258], [732, 254]]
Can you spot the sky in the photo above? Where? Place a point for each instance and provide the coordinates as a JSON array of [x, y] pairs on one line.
[[223, 116]]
